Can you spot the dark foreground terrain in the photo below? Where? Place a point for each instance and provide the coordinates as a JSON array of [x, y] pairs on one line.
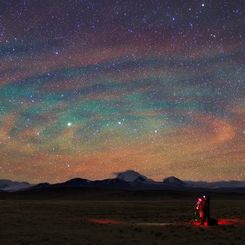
[[111, 217]]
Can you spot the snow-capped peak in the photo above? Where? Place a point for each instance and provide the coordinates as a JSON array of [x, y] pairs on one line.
[[131, 176]]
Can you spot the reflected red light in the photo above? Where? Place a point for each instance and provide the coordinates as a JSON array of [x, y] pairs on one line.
[[221, 221], [232, 221], [105, 221]]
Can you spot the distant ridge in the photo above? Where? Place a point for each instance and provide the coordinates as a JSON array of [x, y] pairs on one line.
[[9, 185], [128, 180]]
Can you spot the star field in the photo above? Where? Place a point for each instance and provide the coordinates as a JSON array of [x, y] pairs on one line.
[[89, 88]]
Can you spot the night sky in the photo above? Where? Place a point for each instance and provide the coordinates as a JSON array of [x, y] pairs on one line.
[[89, 88]]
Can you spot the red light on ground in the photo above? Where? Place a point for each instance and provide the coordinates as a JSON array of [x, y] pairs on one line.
[[233, 221], [105, 221]]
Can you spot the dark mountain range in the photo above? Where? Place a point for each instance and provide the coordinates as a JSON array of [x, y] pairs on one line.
[[128, 180]]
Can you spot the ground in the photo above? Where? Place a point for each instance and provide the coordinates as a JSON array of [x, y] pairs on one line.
[[57, 221]]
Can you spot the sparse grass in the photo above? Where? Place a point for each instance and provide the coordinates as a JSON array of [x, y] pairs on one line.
[[65, 222]]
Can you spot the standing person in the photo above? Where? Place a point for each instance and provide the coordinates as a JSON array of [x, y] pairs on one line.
[[202, 211], [199, 211]]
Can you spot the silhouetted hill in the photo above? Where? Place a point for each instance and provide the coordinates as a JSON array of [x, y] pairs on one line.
[[9, 185], [174, 181]]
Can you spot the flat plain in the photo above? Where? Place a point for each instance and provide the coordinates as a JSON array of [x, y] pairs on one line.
[[116, 218]]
